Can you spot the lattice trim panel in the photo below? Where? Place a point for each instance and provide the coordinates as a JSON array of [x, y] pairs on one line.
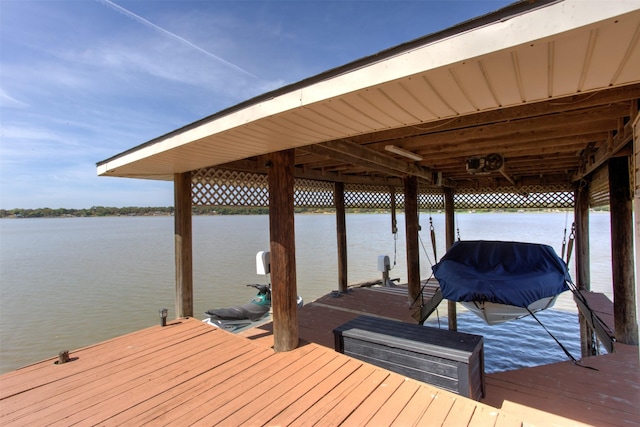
[[362, 196], [530, 197], [217, 187], [313, 194]]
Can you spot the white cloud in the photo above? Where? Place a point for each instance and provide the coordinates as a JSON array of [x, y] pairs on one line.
[[7, 101]]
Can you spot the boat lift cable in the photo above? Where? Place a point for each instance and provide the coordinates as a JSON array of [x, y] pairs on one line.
[[573, 359], [433, 237], [594, 316], [567, 246], [394, 226]]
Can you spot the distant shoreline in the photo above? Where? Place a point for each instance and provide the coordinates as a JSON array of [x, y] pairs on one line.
[[100, 211]]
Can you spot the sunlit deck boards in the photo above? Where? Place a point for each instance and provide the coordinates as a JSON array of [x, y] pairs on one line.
[[191, 373], [608, 396]]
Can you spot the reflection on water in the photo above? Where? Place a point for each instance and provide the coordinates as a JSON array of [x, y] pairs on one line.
[[71, 282], [521, 343]]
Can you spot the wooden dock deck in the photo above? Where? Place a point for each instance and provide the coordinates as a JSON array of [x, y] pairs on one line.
[[191, 373], [608, 396], [318, 319]]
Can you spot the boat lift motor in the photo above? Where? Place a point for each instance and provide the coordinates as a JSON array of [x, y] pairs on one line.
[[263, 263], [384, 266]]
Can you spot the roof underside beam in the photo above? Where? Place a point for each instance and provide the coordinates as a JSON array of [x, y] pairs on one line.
[[593, 159], [370, 159]]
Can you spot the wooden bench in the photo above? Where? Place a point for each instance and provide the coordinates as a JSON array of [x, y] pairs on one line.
[[447, 359]]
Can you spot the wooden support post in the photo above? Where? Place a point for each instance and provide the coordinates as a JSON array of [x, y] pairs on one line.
[[636, 200], [283, 251], [183, 246], [622, 257], [412, 228], [341, 232], [449, 212], [582, 274]]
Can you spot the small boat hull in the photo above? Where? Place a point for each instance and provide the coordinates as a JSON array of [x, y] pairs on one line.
[[494, 314]]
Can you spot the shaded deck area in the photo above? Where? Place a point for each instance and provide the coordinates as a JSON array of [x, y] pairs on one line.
[[318, 319], [191, 373]]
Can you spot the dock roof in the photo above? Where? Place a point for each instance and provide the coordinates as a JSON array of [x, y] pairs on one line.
[[552, 86]]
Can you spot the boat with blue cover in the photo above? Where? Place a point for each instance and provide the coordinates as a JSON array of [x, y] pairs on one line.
[[501, 281]]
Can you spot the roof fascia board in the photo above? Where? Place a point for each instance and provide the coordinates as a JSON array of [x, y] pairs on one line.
[[513, 31]]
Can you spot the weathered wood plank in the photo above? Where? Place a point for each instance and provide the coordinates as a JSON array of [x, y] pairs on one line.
[[289, 390], [110, 381], [438, 410], [306, 403], [94, 363], [41, 373], [390, 409], [563, 389], [305, 384], [460, 414], [199, 385], [121, 398], [230, 389], [279, 380], [416, 407], [484, 416], [341, 409]]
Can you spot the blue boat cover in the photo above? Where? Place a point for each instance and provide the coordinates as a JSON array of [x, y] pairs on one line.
[[510, 273]]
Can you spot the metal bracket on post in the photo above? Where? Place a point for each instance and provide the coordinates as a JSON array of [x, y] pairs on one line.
[[384, 266]]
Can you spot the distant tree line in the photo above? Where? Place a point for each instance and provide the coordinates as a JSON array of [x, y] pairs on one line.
[[97, 211], [94, 211]]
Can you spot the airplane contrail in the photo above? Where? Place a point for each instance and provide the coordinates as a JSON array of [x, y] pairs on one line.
[[175, 36]]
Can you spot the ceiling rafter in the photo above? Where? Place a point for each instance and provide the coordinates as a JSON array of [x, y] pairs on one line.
[[358, 155]]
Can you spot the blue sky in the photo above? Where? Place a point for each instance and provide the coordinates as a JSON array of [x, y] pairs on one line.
[[83, 80]]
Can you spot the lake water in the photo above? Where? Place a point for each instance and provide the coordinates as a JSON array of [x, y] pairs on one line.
[[66, 283]]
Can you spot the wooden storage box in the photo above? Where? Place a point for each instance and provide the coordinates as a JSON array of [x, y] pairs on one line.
[[450, 360]]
